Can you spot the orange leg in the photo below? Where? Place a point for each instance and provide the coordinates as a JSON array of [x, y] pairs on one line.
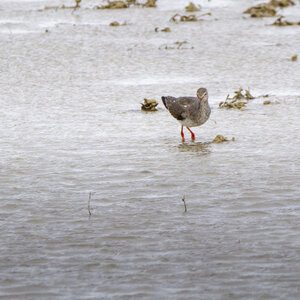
[[192, 134], [182, 134]]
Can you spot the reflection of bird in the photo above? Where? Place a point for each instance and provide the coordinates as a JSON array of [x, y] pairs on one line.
[[189, 111]]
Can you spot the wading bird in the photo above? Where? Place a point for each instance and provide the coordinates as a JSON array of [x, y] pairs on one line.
[[189, 111]]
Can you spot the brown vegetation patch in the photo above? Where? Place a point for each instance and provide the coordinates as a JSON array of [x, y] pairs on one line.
[[239, 101], [221, 139], [189, 18], [281, 22], [149, 105], [267, 9], [192, 7]]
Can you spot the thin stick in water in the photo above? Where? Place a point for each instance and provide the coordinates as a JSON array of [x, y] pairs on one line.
[[89, 202], [183, 200]]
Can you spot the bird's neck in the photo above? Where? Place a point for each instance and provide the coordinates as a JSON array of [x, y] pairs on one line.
[[204, 105], [204, 108]]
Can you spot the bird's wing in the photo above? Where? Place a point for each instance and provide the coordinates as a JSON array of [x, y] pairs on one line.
[[182, 107]]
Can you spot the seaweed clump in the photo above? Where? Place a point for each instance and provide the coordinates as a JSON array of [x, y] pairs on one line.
[[116, 23], [178, 18], [189, 18], [261, 11], [294, 57], [149, 105], [267, 9], [166, 29], [267, 102], [191, 7], [113, 5], [239, 101], [150, 3], [280, 22], [125, 4], [221, 139], [282, 3]]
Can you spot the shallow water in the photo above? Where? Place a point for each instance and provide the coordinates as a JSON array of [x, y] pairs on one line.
[[72, 124]]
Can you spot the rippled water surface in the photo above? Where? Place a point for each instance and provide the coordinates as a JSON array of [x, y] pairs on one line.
[[71, 124]]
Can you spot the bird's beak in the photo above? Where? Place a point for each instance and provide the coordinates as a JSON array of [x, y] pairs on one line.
[[202, 98]]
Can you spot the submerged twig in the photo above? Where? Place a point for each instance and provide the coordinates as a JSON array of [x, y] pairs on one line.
[[89, 202], [177, 45], [183, 200]]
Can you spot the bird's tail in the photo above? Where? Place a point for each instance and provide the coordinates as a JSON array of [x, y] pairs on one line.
[[164, 101]]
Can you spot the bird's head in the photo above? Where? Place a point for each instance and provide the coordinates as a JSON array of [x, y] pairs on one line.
[[202, 94]]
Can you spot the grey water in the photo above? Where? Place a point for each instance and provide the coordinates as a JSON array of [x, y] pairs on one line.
[[71, 124]]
